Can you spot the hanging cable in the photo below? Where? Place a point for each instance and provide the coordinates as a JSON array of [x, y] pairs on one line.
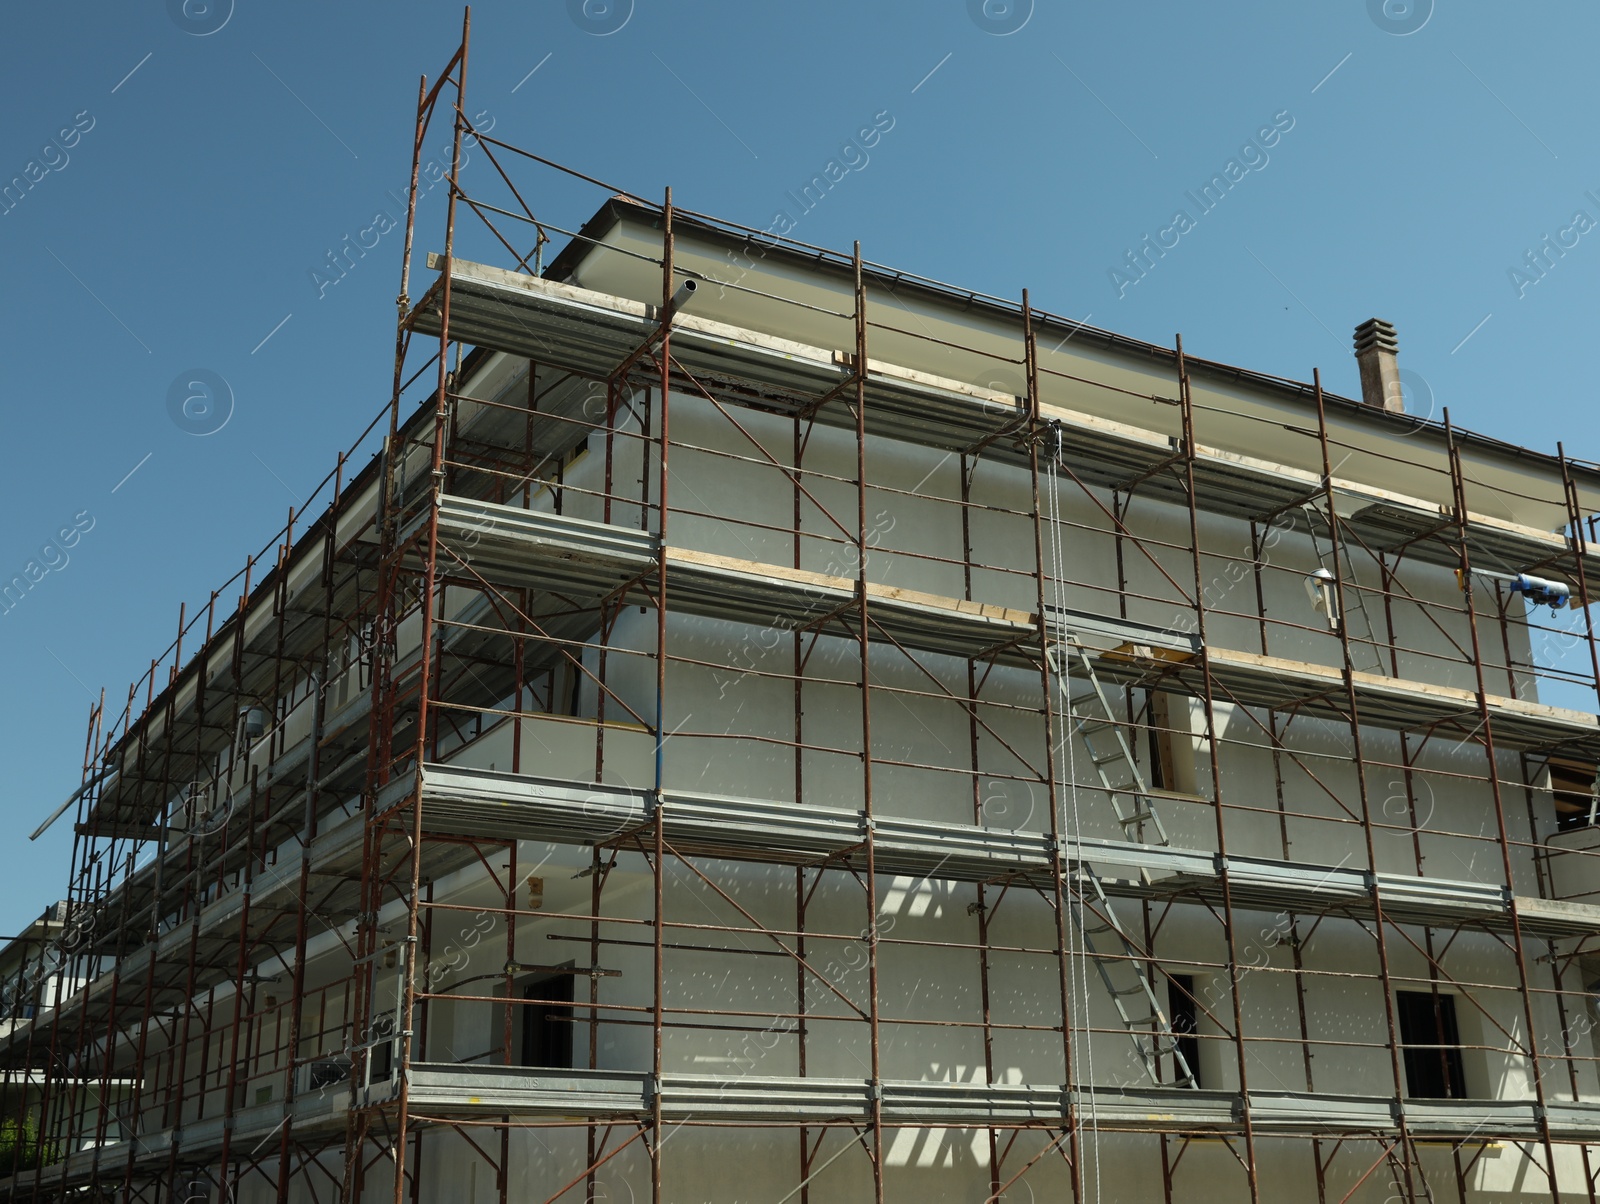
[[1078, 988]]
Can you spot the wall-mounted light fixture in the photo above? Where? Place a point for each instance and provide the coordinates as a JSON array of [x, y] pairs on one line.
[[252, 722], [1324, 599]]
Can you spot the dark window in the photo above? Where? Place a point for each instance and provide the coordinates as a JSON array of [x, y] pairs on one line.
[[382, 1062], [1184, 1015], [326, 1072], [1160, 744], [1432, 1045], [383, 1052], [1573, 787], [547, 1024], [1171, 749]]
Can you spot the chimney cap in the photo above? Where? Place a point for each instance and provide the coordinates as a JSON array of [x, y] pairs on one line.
[[1376, 333]]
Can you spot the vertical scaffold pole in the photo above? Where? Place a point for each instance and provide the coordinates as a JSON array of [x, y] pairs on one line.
[[967, 467], [1458, 491], [1580, 549], [658, 1010], [1408, 1159], [1579, 545], [1058, 868], [866, 724], [1186, 402], [425, 667]]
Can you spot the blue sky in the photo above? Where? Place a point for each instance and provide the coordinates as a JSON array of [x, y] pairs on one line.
[[205, 173]]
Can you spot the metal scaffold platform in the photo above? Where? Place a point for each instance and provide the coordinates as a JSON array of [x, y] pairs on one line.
[[592, 644]]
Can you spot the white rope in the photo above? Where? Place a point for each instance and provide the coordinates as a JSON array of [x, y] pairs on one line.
[[1078, 976], [1058, 556]]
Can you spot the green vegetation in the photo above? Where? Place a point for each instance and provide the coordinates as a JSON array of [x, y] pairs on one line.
[[21, 1147]]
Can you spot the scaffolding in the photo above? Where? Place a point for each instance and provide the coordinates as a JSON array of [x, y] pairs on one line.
[[458, 664]]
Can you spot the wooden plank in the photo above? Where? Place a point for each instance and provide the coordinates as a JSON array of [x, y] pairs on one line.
[[785, 576]]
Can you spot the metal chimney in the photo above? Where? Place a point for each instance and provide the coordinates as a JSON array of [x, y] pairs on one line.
[[1376, 352]]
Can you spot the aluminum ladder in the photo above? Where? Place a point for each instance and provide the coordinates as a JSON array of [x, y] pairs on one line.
[[1089, 715], [1121, 963]]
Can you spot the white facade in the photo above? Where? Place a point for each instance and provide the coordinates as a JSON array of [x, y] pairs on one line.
[[768, 967]]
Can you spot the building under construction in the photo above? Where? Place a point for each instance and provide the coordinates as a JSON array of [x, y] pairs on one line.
[[769, 727]]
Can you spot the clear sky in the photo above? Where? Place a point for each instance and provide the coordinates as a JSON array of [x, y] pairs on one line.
[[185, 180]]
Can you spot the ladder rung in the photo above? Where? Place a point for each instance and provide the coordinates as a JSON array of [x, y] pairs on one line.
[[1137, 817]]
